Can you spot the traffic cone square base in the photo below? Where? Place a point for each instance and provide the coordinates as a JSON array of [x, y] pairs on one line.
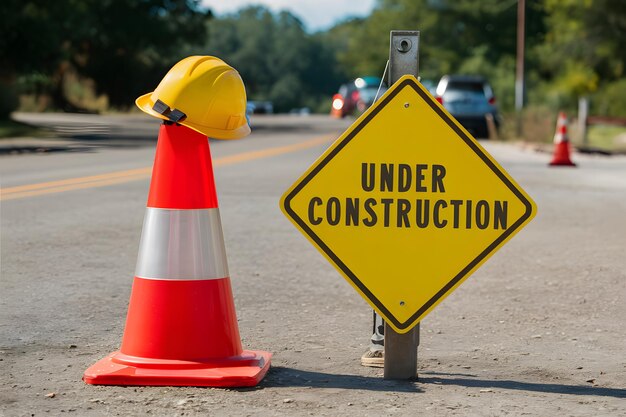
[[245, 370]]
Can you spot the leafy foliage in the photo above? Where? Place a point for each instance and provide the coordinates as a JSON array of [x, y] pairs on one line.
[[583, 50], [463, 36], [123, 48], [276, 58], [123, 45]]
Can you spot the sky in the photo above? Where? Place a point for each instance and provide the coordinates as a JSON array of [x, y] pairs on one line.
[[316, 14]]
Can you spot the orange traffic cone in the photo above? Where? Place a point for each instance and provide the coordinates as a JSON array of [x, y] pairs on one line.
[[561, 144], [181, 327]]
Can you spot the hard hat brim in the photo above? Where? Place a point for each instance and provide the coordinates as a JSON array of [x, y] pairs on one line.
[[145, 104], [238, 133]]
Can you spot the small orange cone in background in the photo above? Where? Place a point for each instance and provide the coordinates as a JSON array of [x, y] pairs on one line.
[[181, 327], [561, 156]]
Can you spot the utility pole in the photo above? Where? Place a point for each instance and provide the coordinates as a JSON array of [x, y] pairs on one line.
[[583, 114], [519, 68]]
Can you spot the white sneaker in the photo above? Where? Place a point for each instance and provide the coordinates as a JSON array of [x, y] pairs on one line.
[[373, 358]]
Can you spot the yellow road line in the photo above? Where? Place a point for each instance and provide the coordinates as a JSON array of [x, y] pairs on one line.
[[266, 153], [72, 181], [119, 177], [78, 186]]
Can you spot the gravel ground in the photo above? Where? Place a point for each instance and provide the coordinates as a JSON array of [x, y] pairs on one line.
[[538, 330]]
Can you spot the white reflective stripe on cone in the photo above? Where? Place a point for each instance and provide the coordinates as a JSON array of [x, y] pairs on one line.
[[182, 244]]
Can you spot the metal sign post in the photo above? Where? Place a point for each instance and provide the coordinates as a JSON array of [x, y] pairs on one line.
[[401, 349]]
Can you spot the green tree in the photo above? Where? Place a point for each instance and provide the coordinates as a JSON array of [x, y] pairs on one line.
[[131, 44], [124, 46], [583, 50], [277, 59], [462, 36]]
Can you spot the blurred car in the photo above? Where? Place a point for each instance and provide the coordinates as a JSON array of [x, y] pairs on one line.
[[259, 107], [356, 96], [469, 99], [301, 111], [429, 85]]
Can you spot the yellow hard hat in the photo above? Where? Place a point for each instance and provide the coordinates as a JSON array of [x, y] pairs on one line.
[[203, 93]]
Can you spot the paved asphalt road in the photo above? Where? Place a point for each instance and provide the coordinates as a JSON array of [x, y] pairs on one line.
[[538, 330]]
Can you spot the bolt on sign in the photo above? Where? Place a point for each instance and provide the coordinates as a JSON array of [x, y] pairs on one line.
[[406, 204]]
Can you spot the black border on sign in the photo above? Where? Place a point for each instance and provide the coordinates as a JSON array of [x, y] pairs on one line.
[[410, 322]]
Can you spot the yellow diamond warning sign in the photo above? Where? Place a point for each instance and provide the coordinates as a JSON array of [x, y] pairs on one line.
[[406, 204]]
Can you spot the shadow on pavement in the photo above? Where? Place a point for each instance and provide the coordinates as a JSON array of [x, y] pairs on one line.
[[17, 150], [288, 377], [89, 133], [83, 142], [524, 386], [78, 143]]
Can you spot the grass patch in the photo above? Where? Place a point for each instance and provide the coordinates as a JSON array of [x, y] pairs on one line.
[[13, 129], [538, 125], [608, 138]]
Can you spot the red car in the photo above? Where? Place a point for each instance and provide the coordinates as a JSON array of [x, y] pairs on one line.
[[356, 96]]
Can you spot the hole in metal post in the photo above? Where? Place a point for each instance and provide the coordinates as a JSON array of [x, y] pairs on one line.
[[404, 45]]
